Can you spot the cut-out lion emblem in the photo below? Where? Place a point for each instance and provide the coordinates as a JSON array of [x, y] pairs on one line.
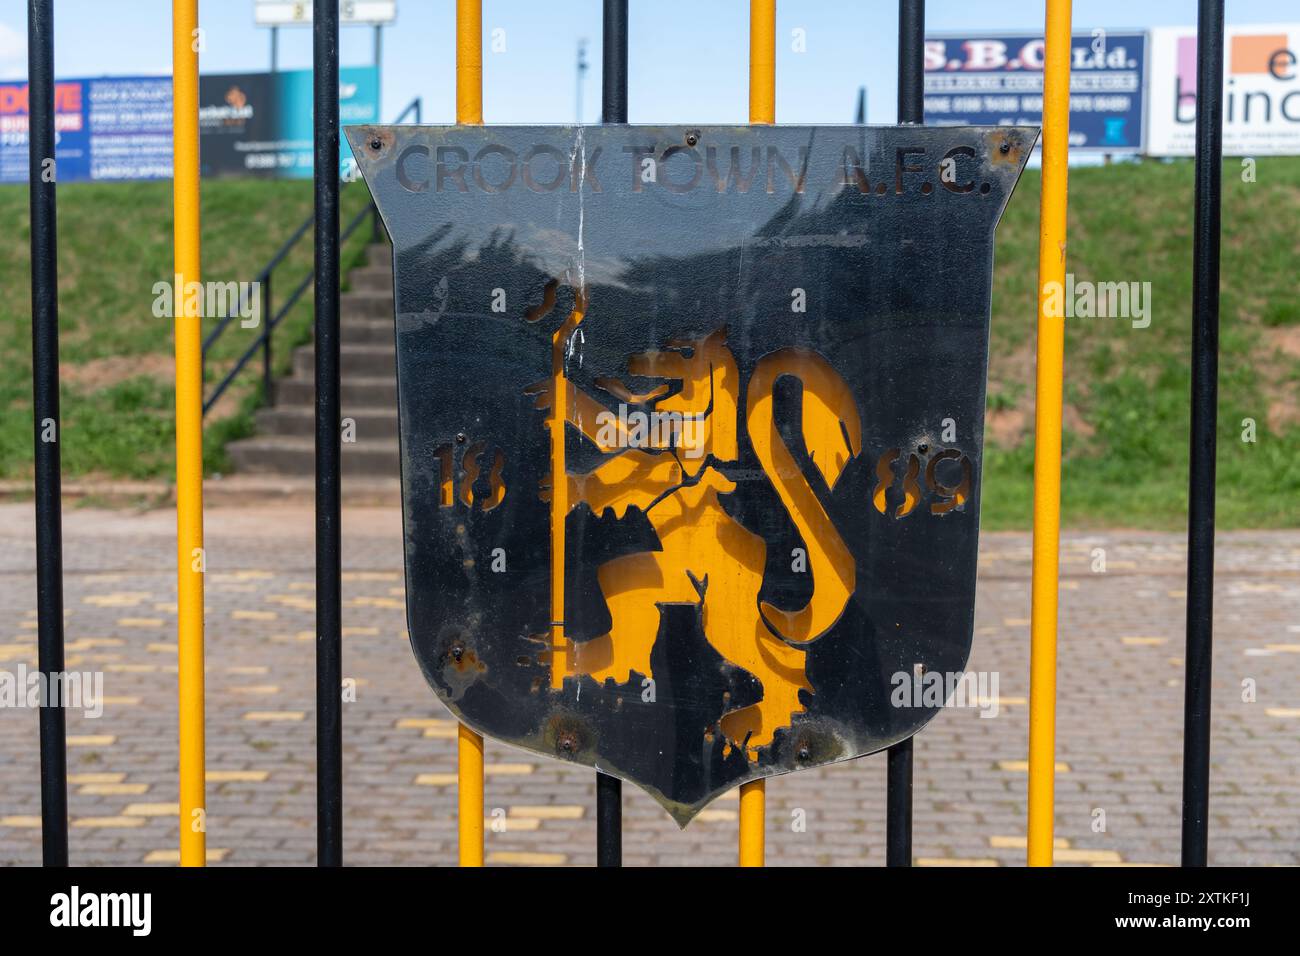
[[707, 558]]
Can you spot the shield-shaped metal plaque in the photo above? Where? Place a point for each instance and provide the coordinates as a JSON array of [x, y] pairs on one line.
[[691, 426]]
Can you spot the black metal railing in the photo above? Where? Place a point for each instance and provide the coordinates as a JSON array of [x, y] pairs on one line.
[[271, 315]]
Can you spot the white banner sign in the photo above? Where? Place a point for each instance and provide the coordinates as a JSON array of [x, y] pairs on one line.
[[288, 13], [1261, 91]]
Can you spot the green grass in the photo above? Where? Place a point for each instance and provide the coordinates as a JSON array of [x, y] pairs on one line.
[[1127, 388], [115, 243]]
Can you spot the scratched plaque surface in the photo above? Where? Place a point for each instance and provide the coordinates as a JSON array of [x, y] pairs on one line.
[[691, 426]]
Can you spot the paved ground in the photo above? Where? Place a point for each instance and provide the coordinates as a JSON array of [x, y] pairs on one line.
[[1120, 714]]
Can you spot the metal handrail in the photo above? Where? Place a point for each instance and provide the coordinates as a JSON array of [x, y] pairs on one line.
[[263, 281]]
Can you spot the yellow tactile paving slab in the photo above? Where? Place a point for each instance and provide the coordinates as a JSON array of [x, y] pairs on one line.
[[236, 776], [435, 779], [212, 855], [292, 600], [152, 810], [161, 648], [954, 861], [20, 822], [275, 715], [1020, 843], [511, 824], [140, 622], [419, 723], [371, 576], [133, 668], [1144, 641], [1283, 711], [441, 733], [121, 701], [1086, 856], [360, 631], [548, 812], [520, 858], [246, 615], [508, 769], [91, 740], [715, 815], [109, 822], [117, 599], [255, 689], [84, 778], [1022, 766], [374, 602]]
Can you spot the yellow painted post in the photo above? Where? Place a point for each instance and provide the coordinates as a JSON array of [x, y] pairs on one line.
[[189, 427], [762, 61], [469, 111], [1047, 436], [469, 62], [469, 775], [762, 109]]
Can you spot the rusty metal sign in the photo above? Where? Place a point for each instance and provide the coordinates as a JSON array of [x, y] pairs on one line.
[[691, 427]]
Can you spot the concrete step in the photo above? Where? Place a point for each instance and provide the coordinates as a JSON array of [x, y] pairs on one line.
[[356, 360], [300, 421], [371, 279], [365, 305], [380, 254], [292, 455], [354, 392], [367, 332]]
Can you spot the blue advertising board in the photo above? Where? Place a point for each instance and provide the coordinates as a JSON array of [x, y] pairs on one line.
[[997, 80], [120, 128]]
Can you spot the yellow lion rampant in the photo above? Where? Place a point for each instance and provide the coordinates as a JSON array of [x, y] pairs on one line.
[[707, 557]]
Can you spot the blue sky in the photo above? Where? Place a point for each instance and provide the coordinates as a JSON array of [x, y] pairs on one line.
[[688, 58]]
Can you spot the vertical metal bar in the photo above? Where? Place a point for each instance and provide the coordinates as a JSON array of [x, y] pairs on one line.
[[329, 637], [275, 49], [190, 561], [898, 804], [1047, 437], [268, 316], [469, 111], [1205, 389], [762, 109], [613, 109], [609, 820], [613, 78], [911, 109], [911, 61], [46, 424]]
